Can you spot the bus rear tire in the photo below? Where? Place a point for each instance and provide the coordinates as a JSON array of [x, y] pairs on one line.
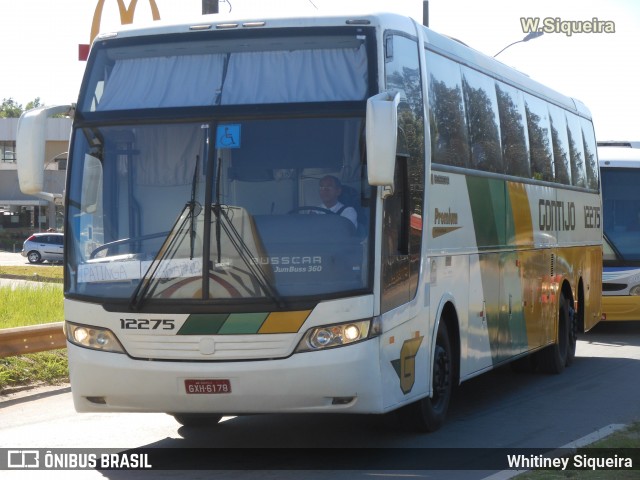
[[428, 414], [197, 419], [554, 358]]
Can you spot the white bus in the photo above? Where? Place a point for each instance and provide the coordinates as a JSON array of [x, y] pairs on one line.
[[208, 271], [620, 172]]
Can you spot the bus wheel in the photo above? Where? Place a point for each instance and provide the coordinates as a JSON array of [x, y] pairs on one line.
[[428, 414], [553, 358], [197, 419]]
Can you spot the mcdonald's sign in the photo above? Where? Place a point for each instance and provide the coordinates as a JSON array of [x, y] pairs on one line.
[[126, 17]]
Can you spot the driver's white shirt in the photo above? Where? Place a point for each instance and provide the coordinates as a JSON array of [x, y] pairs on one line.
[[349, 212]]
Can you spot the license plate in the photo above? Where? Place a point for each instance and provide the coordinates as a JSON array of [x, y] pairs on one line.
[[207, 387]]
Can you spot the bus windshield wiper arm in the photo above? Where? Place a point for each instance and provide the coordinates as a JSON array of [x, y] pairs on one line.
[[245, 254], [193, 205], [140, 293]]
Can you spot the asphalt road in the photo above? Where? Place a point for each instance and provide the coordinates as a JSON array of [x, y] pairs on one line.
[[15, 259], [499, 410]]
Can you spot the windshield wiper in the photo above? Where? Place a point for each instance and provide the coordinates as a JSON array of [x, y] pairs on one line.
[[223, 222], [193, 205], [244, 252], [140, 293], [190, 211]]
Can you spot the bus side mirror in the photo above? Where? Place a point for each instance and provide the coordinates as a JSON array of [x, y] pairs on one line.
[[382, 139], [30, 149]]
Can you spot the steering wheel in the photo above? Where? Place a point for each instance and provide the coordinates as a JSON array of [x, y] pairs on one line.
[[311, 209]]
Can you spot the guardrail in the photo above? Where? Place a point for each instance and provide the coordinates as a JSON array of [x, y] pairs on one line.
[[31, 339]]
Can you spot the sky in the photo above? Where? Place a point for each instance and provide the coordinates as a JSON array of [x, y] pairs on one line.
[[39, 44]]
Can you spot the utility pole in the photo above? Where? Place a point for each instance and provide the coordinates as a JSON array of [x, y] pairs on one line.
[[209, 6], [425, 13]]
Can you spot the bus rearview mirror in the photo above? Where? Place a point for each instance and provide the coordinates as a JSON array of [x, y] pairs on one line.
[[30, 148], [382, 138]]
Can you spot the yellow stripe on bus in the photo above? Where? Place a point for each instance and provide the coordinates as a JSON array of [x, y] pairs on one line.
[[522, 222], [284, 322]]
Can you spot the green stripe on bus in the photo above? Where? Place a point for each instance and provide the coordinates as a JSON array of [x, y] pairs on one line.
[[243, 323], [203, 324], [223, 323], [488, 217], [495, 228]]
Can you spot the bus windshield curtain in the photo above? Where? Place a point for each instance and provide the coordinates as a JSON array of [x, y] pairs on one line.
[[276, 77]]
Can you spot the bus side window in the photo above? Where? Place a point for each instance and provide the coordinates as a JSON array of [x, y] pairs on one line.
[[560, 144], [513, 130], [590, 157], [447, 117], [540, 144], [576, 151], [482, 120]]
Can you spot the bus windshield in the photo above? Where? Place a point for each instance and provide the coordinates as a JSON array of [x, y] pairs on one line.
[[621, 206], [253, 209]]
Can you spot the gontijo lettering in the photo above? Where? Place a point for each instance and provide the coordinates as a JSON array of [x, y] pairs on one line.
[[556, 215]]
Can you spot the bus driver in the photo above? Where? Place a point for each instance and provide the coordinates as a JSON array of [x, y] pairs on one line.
[[330, 190]]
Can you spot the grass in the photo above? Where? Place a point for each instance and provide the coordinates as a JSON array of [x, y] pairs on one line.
[[32, 306], [44, 367], [43, 273]]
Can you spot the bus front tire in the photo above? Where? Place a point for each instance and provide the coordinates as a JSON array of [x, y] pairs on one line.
[[428, 414]]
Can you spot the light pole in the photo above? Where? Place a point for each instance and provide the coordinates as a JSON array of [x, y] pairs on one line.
[[530, 36]]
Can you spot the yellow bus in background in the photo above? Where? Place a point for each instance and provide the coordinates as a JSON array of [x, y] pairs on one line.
[[620, 176]]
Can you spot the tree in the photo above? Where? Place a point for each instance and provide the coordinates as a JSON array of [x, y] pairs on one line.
[[10, 108], [35, 103]]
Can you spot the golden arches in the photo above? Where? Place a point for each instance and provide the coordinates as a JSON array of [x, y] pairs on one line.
[[126, 14]]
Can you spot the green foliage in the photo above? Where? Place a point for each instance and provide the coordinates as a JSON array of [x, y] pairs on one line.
[[31, 305], [33, 104], [46, 367], [10, 108], [42, 273]]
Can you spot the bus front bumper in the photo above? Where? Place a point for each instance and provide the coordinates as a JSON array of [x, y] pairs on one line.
[[345, 379]]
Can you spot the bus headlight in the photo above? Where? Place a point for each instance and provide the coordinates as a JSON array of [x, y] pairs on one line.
[[95, 338], [635, 290], [331, 336]]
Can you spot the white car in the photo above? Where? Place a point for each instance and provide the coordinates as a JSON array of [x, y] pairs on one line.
[[44, 246]]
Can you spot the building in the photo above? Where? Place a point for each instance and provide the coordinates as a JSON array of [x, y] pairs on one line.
[[22, 214]]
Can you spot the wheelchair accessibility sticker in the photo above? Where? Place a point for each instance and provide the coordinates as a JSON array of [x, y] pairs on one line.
[[228, 136]]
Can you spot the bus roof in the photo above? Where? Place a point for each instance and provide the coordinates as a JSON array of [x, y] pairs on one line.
[[622, 155], [437, 42]]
